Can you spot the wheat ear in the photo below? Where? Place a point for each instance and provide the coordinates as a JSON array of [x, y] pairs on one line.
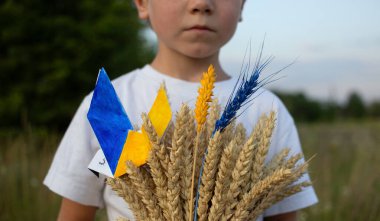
[[292, 161], [281, 191], [241, 172], [161, 151], [176, 158], [208, 178], [228, 133], [241, 133], [277, 196], [143, 186], [257, 135], [223, 179], [124, 189], [186, 168], [268, 123], [259, 190], [157, 170], [204, 96], [122, 219], [213, 116], [285, 187], [161, 181], [167, 137], [277, 161], [291, 190]]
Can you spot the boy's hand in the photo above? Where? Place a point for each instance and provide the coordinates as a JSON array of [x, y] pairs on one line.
[[73, 211], [291, 216]]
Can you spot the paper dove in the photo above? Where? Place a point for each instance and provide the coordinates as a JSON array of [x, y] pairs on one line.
[[113, 129]]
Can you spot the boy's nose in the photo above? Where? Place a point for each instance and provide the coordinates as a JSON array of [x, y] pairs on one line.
[[201, 6]]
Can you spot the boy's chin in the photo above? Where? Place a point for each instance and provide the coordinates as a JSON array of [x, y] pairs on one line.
[[201, 52]]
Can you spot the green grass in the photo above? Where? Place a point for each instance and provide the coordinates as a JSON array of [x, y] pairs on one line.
[[24, 159], [345, 172]]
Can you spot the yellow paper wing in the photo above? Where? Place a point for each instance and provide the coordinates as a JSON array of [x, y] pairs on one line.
[[136, 149], [137, 145], [160, 114]]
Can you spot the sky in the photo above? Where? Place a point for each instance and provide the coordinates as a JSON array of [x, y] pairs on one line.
[[335, 45]]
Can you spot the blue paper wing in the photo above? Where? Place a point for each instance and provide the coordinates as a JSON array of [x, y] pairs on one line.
[[108, 119]]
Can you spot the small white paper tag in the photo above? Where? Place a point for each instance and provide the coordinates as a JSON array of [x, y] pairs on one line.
[[99, 164]]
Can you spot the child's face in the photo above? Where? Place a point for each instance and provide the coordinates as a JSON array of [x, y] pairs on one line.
[[194, 28]]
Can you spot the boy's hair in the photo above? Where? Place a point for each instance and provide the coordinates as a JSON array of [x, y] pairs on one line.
[[134, 6]]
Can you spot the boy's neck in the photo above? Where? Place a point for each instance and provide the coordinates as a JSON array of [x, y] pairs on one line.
[[187, 68]]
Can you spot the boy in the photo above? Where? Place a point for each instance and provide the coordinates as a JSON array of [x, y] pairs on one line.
[[190, 34]]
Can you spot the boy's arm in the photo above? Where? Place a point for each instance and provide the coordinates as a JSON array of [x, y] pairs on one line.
[[291, 216], [73, 211]]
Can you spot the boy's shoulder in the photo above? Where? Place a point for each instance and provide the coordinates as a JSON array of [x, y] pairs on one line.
[[125, 78], [266, 99], [118, 83], [264, 102]]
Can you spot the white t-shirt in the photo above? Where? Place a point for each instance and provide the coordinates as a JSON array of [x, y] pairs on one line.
[[69, 177]]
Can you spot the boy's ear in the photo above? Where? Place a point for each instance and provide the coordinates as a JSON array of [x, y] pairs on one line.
[[142, 8], [241, 12]]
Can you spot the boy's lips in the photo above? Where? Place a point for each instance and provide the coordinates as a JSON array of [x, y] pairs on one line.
[[200, 28]]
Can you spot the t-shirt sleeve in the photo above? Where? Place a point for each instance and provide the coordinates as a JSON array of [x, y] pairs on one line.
[[68, 175], [286, 135]]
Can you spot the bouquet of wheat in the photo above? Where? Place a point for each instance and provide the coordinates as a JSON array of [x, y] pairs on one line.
[[205, 166]]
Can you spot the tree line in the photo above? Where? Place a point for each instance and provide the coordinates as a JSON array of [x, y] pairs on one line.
[[51, 51], [305, 109]]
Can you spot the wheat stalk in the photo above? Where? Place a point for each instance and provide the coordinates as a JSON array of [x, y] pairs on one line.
[[203, 141]]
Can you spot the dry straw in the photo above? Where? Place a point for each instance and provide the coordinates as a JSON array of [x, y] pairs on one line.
[[236, 182]]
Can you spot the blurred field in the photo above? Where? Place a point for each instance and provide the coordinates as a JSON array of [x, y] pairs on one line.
[[345, 171]]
